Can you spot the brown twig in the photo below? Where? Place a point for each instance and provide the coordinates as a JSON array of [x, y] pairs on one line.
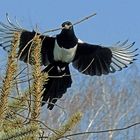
[[105, 131], [75, 23], [102, 131], [84, 19]]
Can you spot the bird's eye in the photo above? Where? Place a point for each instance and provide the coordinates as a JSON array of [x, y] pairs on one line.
[[69, 23], [63, 25]]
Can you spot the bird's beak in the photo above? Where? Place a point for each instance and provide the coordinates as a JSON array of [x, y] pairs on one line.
[[67, 27]]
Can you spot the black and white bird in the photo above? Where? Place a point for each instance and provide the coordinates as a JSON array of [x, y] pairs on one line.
[[65, 48]]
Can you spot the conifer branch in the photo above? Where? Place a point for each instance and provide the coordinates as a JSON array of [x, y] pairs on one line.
[[12, 123], [37, 76], [68, 126], [10, 73], [27, 132]]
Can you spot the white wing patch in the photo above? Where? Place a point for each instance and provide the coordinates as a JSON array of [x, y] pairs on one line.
[[80, 41], [62, 54]]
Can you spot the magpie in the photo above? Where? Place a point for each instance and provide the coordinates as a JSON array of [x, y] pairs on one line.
[[65, 48]]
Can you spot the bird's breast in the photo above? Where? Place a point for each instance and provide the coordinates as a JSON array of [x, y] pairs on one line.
[[63, 54]]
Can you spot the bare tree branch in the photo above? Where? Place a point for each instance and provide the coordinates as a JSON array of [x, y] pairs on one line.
[[103, 131]]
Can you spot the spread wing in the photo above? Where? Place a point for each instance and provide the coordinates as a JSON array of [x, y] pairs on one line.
[[6, 36], [97, 60]]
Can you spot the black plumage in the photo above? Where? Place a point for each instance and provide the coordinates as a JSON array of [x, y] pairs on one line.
[[57, 84], [65, 48]]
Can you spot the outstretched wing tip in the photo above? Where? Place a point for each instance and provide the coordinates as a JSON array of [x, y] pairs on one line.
[[123, 55], [133, 42], [7, 32]]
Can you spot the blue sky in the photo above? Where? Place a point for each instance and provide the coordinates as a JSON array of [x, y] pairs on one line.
[[115, 21]]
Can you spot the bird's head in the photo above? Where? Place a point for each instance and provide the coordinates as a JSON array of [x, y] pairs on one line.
[[67, 25], [67, 37]]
